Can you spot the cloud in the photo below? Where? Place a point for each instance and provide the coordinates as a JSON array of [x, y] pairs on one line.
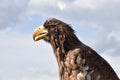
[[22, 59], [114, 61], [36, 73], [104, 10], [100, 12], [108, 41], [89, 4], [61, 5], [11, 12]]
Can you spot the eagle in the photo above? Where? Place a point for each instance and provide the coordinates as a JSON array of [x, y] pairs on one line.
[[76, 61]]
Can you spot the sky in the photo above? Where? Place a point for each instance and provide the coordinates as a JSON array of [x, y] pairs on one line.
[[96, 22]]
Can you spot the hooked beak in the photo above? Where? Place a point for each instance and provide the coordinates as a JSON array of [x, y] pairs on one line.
[[39, 33]]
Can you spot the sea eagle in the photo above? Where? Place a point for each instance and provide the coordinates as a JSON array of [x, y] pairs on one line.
[[76, 61]]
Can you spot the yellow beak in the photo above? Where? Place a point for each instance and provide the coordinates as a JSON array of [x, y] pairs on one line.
[[39, 33]]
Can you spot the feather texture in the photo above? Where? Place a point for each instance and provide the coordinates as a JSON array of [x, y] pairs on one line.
[[76, 61]]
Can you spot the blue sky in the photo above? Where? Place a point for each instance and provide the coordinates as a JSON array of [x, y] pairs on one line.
[[96, 22]]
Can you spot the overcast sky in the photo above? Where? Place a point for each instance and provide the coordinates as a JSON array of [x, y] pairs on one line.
[[96, 22]]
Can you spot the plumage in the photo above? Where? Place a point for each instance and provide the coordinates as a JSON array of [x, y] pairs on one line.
[[76, 61]]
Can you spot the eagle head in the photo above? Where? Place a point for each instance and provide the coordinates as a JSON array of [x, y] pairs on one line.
[[51, 29]]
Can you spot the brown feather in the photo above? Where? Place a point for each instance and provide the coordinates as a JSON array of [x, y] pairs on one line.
[[76, 61]]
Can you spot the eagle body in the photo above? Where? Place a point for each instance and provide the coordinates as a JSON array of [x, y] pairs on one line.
[[76, 61], [83, 63]]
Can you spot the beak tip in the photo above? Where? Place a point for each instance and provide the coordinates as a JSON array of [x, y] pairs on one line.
[[34, 38]]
